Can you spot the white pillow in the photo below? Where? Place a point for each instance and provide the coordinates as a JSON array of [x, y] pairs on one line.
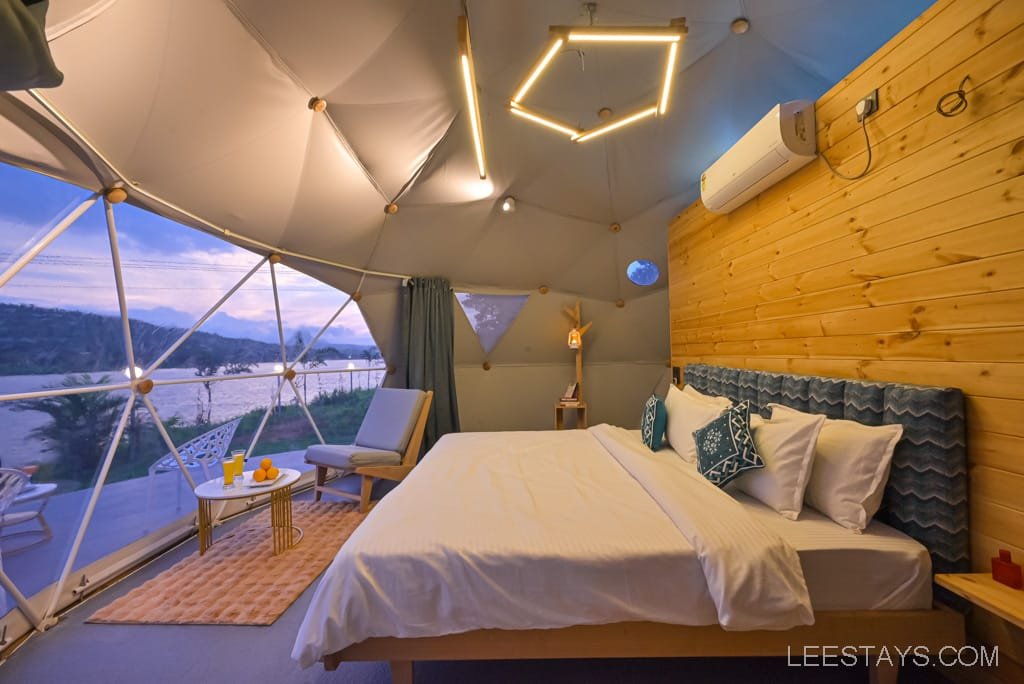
[[786, 445], [851, 466], [723, 402], [686, 414]]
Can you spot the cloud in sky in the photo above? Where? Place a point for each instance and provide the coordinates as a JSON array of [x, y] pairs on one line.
[[169, 269]]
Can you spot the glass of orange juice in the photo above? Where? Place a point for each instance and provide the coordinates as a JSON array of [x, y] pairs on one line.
[[229, 472], [238, 458]]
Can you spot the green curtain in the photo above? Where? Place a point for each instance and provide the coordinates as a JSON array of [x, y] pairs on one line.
[[25, 60], [428, 340]]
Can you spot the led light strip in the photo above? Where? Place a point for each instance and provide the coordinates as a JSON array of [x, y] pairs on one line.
[[472, 101], [666, 86], [538, 69], [521, 111], [671, 35], [613, 125], [580, 37]]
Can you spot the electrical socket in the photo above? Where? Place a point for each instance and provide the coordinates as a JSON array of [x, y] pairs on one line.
[[867, 105]]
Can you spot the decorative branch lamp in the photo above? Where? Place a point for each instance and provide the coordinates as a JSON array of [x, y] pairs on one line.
[[575, 341]]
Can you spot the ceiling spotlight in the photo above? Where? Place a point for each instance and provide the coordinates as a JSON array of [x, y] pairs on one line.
[[508, 205], [740, 25]]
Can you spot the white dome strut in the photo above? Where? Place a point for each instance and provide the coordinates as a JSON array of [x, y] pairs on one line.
[[84, 141]]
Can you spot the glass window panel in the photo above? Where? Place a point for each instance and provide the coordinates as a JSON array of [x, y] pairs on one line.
[[30, 205], [306, 305], [174, 274], [146, 490], [490, 315], [60, 314], [63, 453]]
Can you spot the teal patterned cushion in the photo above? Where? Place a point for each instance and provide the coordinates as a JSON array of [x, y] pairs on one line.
[[653, 423], [725, 447]]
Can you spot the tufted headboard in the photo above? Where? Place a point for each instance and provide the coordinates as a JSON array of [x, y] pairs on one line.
[[926, 497]]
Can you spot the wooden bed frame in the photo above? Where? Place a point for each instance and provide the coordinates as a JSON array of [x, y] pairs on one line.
[[938, 508], [870, 630]]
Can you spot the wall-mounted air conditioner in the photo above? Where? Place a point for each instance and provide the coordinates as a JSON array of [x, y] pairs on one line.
[[775, 147]]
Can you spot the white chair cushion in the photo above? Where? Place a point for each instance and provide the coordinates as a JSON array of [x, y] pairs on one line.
[[350, 456], [390, 420]]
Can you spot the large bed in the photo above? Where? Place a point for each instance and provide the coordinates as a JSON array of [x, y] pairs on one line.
[[587, 544]]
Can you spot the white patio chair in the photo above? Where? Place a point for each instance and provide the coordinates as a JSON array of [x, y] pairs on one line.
[[29, 493], [201, 452]]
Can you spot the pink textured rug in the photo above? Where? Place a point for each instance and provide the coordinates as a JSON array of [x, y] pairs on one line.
[[239, 581]]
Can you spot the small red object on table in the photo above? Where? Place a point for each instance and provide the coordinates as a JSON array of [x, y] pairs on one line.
[[1004, 570]]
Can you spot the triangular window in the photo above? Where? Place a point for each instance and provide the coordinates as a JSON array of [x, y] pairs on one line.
[[490, 314]]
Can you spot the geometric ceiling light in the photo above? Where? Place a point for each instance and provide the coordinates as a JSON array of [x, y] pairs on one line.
[[671, 36], [472, 99]]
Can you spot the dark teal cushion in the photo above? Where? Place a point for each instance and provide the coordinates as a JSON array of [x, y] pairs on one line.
[[653, 423], [725, 448]]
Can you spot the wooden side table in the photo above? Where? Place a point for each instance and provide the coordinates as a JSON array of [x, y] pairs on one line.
[[581, 415], [980, 589]]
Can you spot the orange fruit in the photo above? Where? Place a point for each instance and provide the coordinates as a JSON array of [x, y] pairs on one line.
[[272, 473], [259, 475], [266, 464]]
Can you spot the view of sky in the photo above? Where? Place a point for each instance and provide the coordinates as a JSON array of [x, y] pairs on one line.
[[173, 273]]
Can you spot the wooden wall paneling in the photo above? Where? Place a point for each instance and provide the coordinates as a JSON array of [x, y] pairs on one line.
[[991, 344], [996, 414], [914, 273], [738, 270], [1002, 65], [998, 451], [990, 309], [984, 548], [999, 522], [989, 25]]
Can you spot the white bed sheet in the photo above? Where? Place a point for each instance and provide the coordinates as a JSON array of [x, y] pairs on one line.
[[581, 543], [881, 569]]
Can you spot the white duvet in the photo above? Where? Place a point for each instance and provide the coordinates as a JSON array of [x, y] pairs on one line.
[[527, 530]]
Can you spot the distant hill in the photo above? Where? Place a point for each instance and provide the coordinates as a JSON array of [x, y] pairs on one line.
[[41, 340]]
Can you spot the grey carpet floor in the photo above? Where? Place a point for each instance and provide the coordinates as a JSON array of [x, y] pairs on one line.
[[80, 653]]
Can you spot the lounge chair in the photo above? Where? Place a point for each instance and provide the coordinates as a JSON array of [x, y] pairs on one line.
[[28, 493], [386, 446]]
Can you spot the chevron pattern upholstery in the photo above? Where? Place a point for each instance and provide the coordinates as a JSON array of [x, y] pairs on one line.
[[926, 497]]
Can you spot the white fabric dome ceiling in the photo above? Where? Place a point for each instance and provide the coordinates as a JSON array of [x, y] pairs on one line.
[[204, 103]]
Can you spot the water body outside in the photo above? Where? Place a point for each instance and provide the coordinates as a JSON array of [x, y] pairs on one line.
[[231, 398]]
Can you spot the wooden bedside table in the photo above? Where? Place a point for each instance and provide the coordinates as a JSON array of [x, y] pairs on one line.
[[980, 589], [581, 415]]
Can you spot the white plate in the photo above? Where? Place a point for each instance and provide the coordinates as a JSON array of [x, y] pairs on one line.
[[266, 483]]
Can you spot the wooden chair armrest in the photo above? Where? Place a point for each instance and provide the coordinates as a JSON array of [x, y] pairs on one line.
[[395, 473]]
